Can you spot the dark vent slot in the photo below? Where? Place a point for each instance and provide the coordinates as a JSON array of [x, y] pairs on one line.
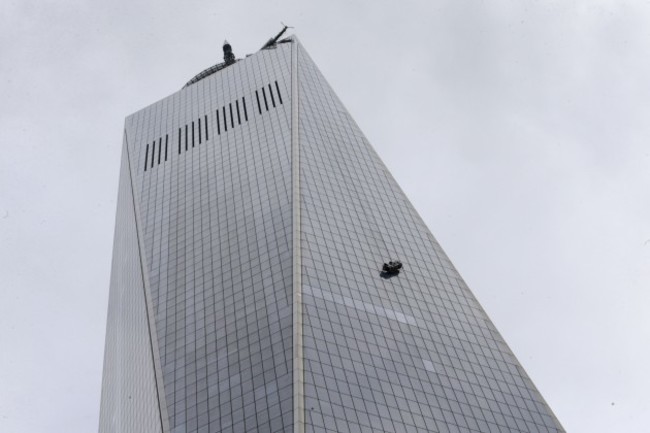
[[153, 153], [259, 107], [279, 94], [146, 157], [225, 119], [199, 130], [266, 104], [205, 122], [166, 143], [272, 97], [218, 124], [192, 134], [232, 121], [186, 139], [159, 149], [243, 102], [238, 118], [179, 140]]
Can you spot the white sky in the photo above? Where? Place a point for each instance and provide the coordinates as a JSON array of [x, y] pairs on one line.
[[519, 129]]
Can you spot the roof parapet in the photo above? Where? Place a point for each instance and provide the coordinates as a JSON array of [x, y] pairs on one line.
[[229, 56]]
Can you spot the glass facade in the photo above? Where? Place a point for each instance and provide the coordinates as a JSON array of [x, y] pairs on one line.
[[251, 192]]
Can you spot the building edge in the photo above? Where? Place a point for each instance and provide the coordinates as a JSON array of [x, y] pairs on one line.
[[151, 318], [298, 370]]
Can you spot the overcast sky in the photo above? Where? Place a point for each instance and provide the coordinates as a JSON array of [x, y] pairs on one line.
[[519, 129]]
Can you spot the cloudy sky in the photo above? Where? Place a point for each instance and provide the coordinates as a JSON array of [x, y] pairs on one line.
[[519, 129]]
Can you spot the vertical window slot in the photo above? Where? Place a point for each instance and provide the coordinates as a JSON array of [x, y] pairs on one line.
[[232, 120], [279, 94], [259, 107], [272, 97], [243, 102], [225, 119], [153, 153], [266, 104], [159, 149], [192, 133], [146, 157], [166, 143], [238, 118], [199, 130], [186, 138], [218, 124], [205, 122], [179, 140]]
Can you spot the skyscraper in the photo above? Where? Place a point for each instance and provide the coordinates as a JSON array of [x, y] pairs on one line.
[[269, 275]]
